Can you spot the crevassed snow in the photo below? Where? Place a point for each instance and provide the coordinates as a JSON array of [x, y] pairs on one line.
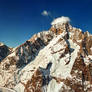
[[60, 20]]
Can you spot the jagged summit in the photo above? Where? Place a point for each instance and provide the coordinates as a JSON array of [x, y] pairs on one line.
[[61, 24], [57, 60]]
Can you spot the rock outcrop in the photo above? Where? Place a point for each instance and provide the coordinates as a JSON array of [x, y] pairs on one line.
[[4, 51]]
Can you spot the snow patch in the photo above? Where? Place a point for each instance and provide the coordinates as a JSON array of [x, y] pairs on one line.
[[91, 48], [12, 54], [3, 89], [86, 59], [19, 88], [54, 86], [1, 44], [79, 41], [60, 69], [90, 56]]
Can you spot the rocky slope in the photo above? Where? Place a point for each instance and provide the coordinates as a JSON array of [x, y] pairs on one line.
[[4, 51], [57, 60]]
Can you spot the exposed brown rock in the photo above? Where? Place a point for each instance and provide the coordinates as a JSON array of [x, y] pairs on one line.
[[57, 31], [35, 84], [81, 71]]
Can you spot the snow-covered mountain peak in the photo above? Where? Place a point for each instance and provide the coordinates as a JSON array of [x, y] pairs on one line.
[[61, 26], [60, 20], [57, 60]]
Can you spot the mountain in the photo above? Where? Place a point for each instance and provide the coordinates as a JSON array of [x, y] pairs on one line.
[[57, 60]]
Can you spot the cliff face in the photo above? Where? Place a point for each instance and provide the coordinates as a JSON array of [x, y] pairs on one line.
[[57, 60]]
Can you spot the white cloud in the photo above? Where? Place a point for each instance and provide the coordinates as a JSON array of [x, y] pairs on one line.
[[60, 20], [45, 13]]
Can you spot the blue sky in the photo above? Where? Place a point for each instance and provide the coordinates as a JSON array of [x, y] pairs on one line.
[[20, 19]]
